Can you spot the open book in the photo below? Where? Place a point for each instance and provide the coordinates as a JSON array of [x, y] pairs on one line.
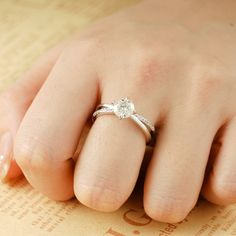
[[27, 29]]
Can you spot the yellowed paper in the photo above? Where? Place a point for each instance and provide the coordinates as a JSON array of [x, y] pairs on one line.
[[27, 29]]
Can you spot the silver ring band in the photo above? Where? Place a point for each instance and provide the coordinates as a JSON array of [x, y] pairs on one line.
[[124, 108]]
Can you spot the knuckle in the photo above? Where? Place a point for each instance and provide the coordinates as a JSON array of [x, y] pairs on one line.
[[149, 68], [7, 98], [99, 197], [209, 85], [153, 64], [80, 54], [225, 190], [147, 76], [31, 156], [82, 49], [206, 95], [168, 209]]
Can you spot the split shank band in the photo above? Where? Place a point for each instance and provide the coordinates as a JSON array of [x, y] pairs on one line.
[[123, 109]]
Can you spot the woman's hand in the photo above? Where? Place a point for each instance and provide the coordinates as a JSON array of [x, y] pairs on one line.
[[176, 61]]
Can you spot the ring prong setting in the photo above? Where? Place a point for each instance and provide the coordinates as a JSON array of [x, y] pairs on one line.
[[124, 108]]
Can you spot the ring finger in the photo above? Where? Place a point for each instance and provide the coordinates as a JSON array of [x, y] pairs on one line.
[[110, 160]]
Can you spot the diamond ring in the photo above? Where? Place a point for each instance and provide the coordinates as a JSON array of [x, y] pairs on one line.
[[123, 109]]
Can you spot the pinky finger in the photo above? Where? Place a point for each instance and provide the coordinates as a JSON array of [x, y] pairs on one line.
[[220, 185]]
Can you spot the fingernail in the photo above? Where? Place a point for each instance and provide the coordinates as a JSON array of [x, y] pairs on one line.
[[6, 146]]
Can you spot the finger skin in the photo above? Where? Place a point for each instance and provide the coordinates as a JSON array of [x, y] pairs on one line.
[[175, 173], [220, 184], [60, 110], [108, 164], [15, 100]]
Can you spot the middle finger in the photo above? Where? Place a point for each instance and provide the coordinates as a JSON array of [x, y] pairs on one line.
[[49, 133]]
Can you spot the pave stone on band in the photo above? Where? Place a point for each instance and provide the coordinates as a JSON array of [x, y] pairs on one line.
[[123, 109]]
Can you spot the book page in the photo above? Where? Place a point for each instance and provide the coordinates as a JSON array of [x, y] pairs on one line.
[[27, 29]]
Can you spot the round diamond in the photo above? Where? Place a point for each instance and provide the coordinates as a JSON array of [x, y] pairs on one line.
[[124, 108]]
